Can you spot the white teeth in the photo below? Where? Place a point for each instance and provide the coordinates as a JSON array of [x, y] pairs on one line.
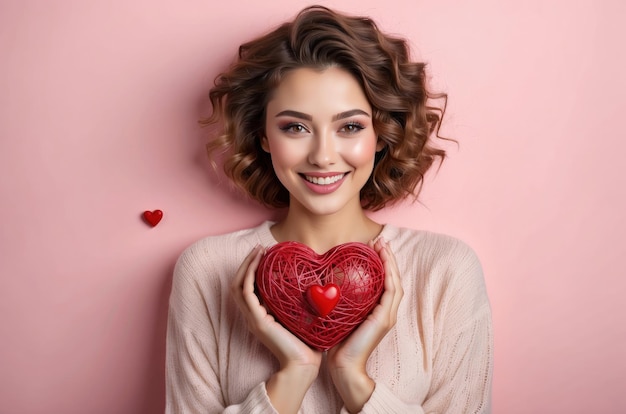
[[324, 180]]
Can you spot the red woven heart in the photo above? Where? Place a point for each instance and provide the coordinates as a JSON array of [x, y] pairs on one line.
[[292, 279]]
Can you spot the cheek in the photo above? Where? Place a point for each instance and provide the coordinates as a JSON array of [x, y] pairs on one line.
[[361, 151], [285, 153]]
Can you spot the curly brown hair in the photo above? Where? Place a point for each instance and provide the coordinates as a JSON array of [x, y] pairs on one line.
[[320, 38]]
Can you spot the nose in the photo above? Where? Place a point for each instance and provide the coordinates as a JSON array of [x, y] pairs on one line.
[[322, 152]]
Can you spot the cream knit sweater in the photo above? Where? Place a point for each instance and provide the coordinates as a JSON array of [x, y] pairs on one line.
[[437, 359]]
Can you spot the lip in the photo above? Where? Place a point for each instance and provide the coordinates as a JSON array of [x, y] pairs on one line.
[[323, 189], [323, 174]]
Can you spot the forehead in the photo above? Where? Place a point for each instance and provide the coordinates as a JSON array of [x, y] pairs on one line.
[[324, 92]]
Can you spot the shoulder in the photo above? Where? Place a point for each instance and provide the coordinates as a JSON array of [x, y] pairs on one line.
[[224, 243], [430, 248], [219, 254], [442, 265]]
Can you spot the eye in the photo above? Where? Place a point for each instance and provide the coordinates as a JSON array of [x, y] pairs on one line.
[[294, 128], [352, 127]]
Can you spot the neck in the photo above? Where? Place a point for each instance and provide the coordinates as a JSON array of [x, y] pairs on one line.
[[322, 232]]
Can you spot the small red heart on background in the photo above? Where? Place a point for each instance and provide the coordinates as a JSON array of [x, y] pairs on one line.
[[323, 298], [320, 298], [153, 217]]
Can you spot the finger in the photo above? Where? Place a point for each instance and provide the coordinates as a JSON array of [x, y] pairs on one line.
[[386, 258], [391, 263], [394, 264], [249, 296], [373, 241], [241, 272], [378, 245], [388, 283], [390, 300], [237, 284], [397, 281]]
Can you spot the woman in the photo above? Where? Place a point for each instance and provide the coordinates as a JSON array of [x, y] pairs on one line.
[[327, 117]]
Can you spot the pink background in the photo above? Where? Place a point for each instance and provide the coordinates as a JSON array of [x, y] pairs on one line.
[[98, 107]]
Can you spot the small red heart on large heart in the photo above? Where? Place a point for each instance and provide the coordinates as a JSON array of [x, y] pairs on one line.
[[153, 217], [320, 298], [323, 298]]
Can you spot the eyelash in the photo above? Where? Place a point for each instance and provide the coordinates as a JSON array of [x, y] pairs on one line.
[[290, 127], [355, 127]]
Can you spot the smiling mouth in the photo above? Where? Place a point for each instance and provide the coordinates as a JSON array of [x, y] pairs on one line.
[[324, 180]]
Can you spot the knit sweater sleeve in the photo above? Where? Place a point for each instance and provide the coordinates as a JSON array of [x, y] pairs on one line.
[[462, 378], [192, 364], [463, 337], [455, 303]]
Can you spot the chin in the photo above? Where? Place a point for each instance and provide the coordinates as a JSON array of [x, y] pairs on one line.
[[328, 207]]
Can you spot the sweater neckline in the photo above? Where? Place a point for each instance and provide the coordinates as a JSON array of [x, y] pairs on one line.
[[267, 239]]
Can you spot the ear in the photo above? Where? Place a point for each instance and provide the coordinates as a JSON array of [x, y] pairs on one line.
[[380, 145], [265, 144]]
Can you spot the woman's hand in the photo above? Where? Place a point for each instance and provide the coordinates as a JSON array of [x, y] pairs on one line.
[[347, 360], [299, 364]]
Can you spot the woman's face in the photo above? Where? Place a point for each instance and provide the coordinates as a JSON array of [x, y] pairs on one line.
[[320, 136]]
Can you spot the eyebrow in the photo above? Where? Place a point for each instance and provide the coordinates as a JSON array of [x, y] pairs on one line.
[[350, 113], [295, 114], [307, 117]]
